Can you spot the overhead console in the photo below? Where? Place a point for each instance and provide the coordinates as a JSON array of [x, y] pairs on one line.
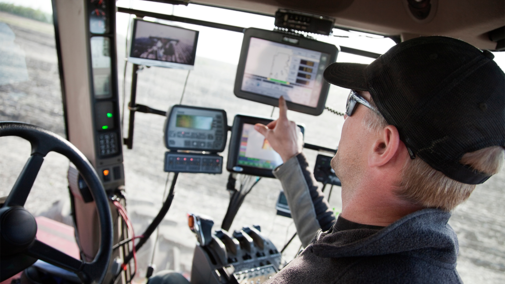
[[249, 151], [274, 64]]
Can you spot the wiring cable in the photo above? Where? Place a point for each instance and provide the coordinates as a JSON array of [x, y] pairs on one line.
[[329, 194], [124, 242], [334, 111], [247, 186], [122, 212], [324, 187], [184, 89], [156, 221], [158, 227], [247, 183]]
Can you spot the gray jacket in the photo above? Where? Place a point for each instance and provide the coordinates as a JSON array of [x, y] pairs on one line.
[[419, 248]]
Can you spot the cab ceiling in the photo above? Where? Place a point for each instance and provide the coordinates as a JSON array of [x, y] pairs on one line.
[[468, 20]]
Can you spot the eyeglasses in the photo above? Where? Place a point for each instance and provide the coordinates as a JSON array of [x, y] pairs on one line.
[[354, 98]]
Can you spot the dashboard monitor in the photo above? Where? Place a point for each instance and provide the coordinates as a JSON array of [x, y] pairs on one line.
[[249, 152], [275, 64], [195, 128], [155, 44]]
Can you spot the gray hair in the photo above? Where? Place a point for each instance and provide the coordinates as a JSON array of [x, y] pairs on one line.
[[425, 186]]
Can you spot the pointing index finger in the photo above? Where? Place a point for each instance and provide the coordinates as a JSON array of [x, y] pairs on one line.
[[283, 108]]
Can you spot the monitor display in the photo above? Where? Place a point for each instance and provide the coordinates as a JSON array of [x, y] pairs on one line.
[[194, 121], [155, 44], [255, 151], [274, 64], [249, 152], [191, 128]]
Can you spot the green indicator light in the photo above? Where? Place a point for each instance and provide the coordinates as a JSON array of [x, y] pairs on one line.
[[105, 127], [278, 81], [109, 114]]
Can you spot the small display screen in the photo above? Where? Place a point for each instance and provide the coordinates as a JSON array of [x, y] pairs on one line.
[[155, 44], [194, 122], [255, 151], [273, 69], [101, 63]]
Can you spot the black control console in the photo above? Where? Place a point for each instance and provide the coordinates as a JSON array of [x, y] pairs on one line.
[[194, 135], [195, 128], [193, 163], [246, 256]]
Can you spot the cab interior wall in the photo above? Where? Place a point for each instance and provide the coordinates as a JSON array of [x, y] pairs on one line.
[[210, 84]]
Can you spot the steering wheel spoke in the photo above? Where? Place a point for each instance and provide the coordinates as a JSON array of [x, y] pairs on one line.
[[24, 183], [53, 256], [85, 271]]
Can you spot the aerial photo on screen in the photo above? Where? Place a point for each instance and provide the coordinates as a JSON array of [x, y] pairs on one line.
[[161, 45]]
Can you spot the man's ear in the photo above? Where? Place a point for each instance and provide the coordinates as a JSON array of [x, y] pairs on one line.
[[386, 147]]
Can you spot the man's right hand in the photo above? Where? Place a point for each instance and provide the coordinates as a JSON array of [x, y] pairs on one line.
[[282, 134]]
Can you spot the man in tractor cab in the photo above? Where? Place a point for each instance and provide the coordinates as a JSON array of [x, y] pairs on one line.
[[424, 124]]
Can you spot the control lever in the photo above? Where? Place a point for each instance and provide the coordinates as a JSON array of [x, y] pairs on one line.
[[256, 236], [218, 249], [201, 226], [232, 245], [246, 242]]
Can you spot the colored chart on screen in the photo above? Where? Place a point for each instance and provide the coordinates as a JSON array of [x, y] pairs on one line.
[[255, 151]]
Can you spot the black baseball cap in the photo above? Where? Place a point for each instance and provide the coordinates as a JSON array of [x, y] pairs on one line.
[[445, 97]]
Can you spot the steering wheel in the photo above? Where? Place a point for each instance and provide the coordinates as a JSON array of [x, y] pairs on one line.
[[18, 228]]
